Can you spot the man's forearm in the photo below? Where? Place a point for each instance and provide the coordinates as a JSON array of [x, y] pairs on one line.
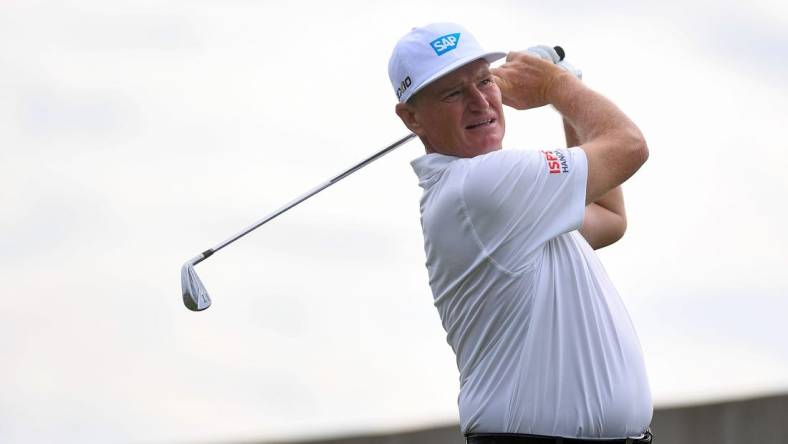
[[587, 113]]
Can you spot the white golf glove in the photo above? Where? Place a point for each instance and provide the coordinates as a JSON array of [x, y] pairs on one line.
[[547, 53]]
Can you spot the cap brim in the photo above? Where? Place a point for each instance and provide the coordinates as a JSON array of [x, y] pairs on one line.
[[489, 56]]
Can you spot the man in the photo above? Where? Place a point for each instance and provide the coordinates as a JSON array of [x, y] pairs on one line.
[[544, 345]]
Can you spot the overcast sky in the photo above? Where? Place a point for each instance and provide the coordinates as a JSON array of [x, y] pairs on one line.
[[135, 134]]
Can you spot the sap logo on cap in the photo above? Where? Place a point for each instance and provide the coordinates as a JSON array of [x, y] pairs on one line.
[[446, 43]]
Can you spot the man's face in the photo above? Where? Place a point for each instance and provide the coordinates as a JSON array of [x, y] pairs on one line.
[[460, 114]]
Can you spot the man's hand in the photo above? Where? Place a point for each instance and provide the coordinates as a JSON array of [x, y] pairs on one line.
[[525, 80]]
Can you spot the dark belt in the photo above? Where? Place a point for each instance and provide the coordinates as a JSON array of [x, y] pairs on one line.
[[518, 438]]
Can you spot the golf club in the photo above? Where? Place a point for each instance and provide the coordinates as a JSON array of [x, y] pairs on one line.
[[195, 296]]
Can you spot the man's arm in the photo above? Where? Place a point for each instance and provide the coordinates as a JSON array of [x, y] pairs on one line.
[[605, 220], [613, 144]]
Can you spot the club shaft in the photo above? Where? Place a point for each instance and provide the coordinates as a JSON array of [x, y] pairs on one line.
[[205, 254]]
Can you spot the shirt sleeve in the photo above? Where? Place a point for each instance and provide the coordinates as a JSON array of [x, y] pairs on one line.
[[516, 201]]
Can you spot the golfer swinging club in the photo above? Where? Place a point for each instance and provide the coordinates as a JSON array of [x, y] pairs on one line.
[[545, 348]]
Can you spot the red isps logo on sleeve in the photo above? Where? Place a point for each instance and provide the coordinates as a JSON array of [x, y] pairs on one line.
[[556, 162], [552, 162]]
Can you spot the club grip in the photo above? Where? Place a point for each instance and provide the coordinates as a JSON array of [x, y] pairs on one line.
[[560, 51]]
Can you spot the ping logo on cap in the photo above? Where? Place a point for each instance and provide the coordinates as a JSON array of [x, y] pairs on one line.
[[403, 86], [445, 43]]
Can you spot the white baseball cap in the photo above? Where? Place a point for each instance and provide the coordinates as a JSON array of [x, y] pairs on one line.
[[427, 53]]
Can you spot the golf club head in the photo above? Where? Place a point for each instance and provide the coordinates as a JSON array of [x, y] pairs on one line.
[[195, 296]]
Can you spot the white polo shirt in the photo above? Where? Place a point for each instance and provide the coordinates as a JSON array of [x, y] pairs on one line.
[[544, 344]]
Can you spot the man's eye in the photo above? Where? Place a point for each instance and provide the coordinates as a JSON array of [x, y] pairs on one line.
[[452, 95], [487, 82]]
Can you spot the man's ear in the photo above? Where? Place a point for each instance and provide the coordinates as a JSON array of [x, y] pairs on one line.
[[407, 113]]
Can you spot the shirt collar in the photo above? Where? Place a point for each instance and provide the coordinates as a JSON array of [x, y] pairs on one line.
[[428, 167]]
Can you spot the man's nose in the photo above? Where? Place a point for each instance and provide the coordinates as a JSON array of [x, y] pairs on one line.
[[477, 99]]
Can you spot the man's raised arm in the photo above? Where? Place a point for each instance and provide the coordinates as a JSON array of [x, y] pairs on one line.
[[614, 146]]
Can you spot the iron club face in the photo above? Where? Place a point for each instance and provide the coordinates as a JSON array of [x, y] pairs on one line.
[[195, 296]]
